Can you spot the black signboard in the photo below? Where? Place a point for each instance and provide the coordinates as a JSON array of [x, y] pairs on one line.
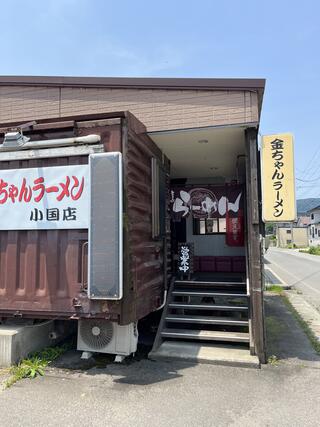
[[185, 259]]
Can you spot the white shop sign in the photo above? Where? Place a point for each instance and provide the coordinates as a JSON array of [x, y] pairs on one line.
[[44, 198]]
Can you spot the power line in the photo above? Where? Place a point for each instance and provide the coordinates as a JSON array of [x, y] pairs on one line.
[[308, 180], [309, 193], [313, 161], [313, 171], [316, 188], [311, 177]]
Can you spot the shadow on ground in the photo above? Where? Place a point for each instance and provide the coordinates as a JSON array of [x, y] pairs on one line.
[[145, 371], [285, 338]]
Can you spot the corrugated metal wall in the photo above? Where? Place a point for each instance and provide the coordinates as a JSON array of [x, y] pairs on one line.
[[40, 271]]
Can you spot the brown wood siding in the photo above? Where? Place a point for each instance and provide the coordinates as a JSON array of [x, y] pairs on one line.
[[255, 257], [146, 267], [158, 109]]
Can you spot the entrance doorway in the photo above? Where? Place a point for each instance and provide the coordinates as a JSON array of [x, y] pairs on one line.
[[210, 220], [207, 299]]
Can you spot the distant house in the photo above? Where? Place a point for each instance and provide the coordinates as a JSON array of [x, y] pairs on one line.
[[303, 221], [297, 236], [314, 226]]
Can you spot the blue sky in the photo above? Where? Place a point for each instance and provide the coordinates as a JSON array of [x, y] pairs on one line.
[[278, 40]]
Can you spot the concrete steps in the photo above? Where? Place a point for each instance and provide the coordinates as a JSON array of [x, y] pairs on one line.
[[223, 320], [211, 353], [215, 294], [202, 314], [204, 306], [205, 335]]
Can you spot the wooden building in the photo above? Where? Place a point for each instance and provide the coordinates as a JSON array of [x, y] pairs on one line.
[[191, 185]]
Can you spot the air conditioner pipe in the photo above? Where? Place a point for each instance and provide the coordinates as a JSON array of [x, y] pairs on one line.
[[164, 300], [47, 143]]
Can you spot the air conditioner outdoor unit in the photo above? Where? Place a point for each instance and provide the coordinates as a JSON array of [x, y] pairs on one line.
[[103, 336]]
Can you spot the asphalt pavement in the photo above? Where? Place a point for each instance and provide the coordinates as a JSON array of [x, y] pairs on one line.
[[296, 269], [145, 393]]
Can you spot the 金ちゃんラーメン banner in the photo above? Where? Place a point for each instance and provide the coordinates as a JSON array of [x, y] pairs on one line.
[[278, 186], [44, 198]]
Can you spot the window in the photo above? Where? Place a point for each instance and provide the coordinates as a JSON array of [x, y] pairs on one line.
[[288, 231], [319, 232], [312, 216], [222, 225], [288, 242], [209, 226], [158, 199]]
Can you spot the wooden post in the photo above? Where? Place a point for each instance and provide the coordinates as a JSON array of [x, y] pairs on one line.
[[255, 243]]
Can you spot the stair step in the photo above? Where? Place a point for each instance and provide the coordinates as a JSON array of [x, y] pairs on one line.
[[207, 320], [206, 335], [208, 294], [213, 352], [204, 283], [209, 307]]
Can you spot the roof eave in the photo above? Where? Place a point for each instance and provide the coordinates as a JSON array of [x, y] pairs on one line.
[[137, 82]]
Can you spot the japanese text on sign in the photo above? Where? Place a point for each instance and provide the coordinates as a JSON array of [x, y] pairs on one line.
[[185, 258], [278, 178], [44, 198], [37, 190]]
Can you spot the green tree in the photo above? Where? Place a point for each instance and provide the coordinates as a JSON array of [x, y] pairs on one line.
[[269, 228]]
